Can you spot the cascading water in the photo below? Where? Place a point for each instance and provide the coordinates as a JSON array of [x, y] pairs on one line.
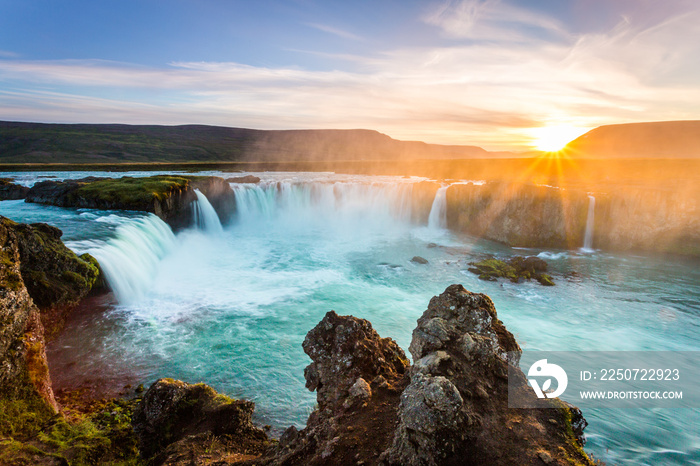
[[129, 259], [327, 202], [588, 237], [205, 217], [438, 212]]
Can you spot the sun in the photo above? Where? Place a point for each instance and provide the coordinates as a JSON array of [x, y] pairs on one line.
[[554, 138]]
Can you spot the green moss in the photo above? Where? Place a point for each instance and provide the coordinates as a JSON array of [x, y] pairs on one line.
[[514, 269], [134, 191], [101, 436], [545, 279]]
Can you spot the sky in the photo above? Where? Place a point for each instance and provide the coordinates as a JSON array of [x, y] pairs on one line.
[[500, 74]]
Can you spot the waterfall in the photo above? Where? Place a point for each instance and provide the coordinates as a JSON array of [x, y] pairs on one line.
[[130, 259], [326, 202], [205, 217], [588, 238], [438, 212]]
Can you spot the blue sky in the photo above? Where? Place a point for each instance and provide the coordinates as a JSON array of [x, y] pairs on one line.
[[494, 73]]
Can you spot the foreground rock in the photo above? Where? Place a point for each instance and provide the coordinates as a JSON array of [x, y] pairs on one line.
[[455, 408], [41, 281], [24, 373], [174, 420], [449, 408], [515, 269], [167, 196], [10, 191]]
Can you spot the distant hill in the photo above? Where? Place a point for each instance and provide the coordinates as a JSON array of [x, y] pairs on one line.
[[664, 139], [92, 143]]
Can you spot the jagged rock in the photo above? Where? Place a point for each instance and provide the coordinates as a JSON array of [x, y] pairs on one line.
[[174, 418], [55, 277], [419, 260], [455, 408], [167, 196], [244, 179], [24, 373], [10, 191], [354, 419]]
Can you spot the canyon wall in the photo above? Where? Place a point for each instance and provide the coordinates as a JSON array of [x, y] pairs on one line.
[[625, 218]]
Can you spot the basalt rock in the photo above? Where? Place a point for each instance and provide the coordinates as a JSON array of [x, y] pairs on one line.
[[24, 373], [455, 409], [357, 376], [10, 191], [55, 277], [168, 196], [175, 419]]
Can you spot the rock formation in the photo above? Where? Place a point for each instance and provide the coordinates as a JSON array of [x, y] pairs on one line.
[[55, 277], [626, 218], [10, 191], [174, 419], [167, 196], [450, 407], [24, 373]]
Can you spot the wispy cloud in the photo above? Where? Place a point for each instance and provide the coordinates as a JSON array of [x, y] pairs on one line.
[[8, 54], [335, 31], [468, 90]]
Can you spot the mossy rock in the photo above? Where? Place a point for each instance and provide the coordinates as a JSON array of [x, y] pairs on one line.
[[515, 269]]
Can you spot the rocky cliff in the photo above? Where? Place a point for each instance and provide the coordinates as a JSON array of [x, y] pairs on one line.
[[167, 196], [24, 374], [520, 215], [625, 218]]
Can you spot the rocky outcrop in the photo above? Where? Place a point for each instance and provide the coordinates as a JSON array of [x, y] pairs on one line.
[[174, 419], [24, 374], [449, 408], [357, 376], [455, 408], [515, 269], [55, 277], [167, 196], [10, 191]]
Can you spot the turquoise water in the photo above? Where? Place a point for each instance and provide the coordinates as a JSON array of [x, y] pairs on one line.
[[231, 308]]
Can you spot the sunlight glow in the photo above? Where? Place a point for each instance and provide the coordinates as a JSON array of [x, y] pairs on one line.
[[554, 138]]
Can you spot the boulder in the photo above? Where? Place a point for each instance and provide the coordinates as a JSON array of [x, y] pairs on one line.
[[419, 260], [10, 191], [174, 418]]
